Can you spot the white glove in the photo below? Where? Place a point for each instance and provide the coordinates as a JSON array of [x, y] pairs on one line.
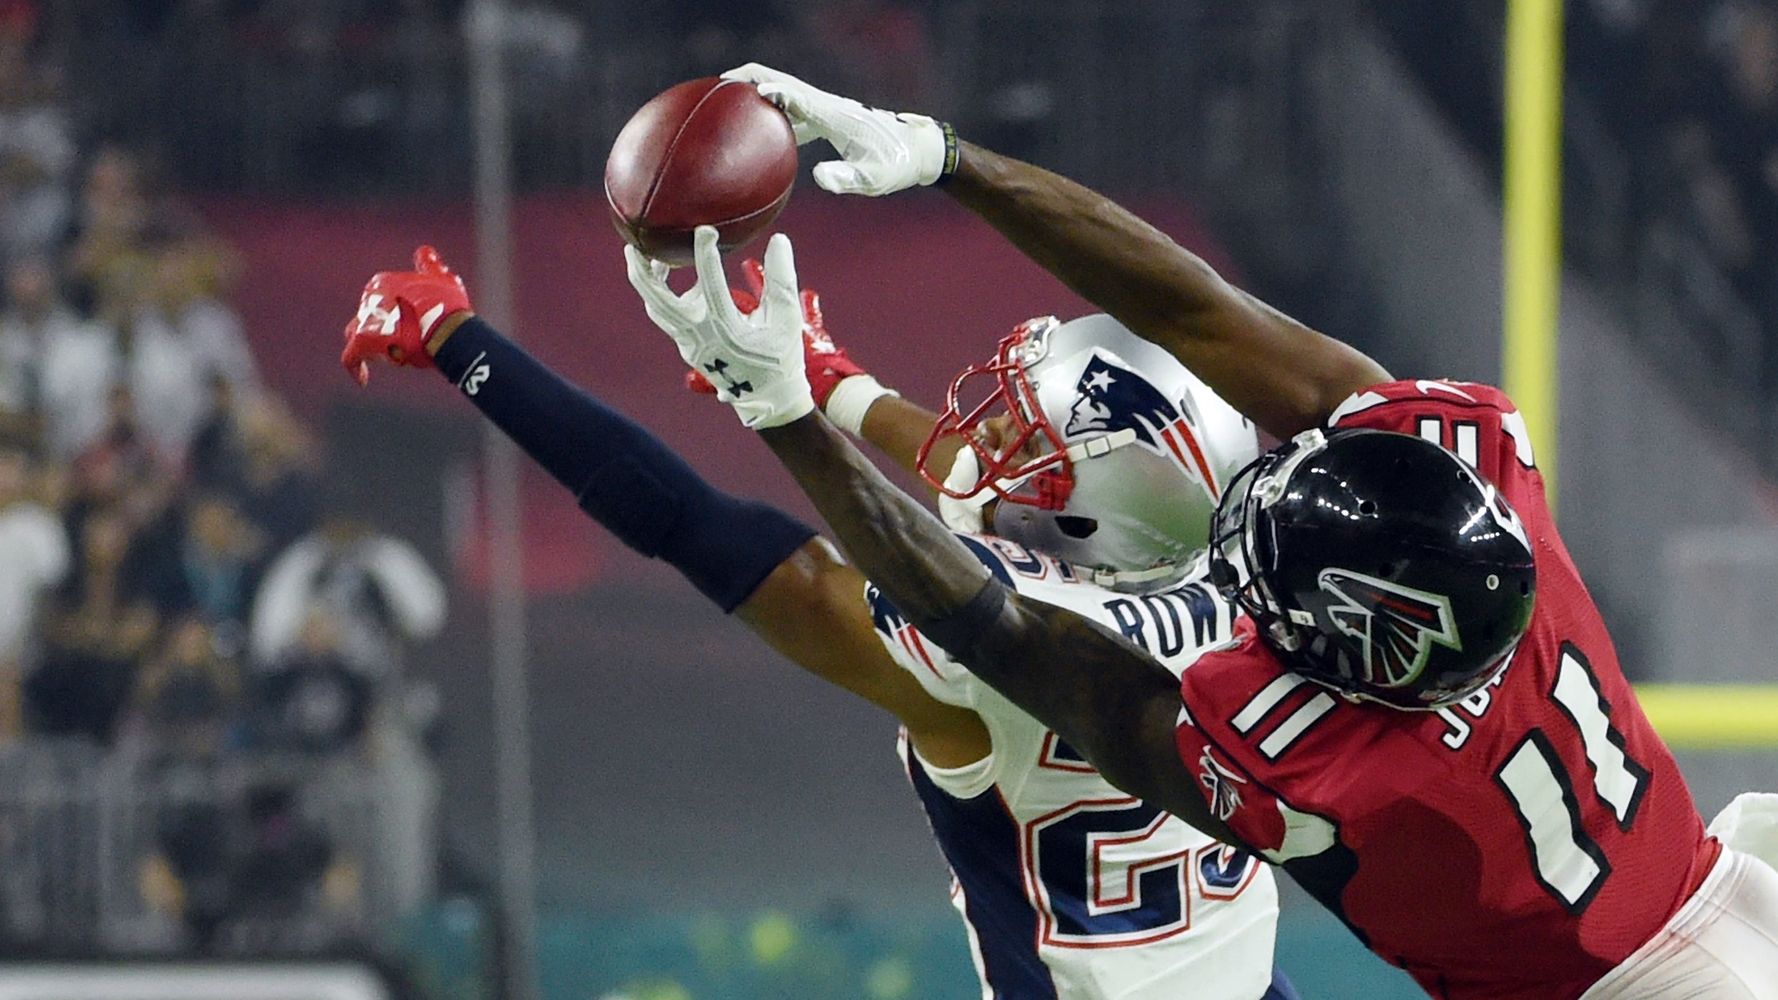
[[754, 361], [881, 152]]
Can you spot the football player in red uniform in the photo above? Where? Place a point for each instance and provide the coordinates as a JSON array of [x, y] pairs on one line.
[[1422, 717]]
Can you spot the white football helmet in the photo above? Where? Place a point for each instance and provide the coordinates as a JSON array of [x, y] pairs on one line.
[[1102, 449]]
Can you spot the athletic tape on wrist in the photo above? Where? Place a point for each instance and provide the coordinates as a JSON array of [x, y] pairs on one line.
[[851, 399], [957, 632], [952, 153]]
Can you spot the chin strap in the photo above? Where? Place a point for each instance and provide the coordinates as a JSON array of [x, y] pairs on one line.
[[1133, 579]]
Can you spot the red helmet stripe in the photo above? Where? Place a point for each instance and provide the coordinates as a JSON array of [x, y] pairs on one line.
[[1184, 432]]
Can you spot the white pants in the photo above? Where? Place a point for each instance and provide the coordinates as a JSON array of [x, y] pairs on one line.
[[1721, 945]]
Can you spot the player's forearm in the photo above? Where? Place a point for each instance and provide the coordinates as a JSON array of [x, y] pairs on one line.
[[1069, 674], [1100, 249], [621, 475], [899, 429], [922, 568], [1277, 372]]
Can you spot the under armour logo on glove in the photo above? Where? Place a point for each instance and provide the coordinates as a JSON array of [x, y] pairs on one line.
[[719, 368], [399, 312], [754, 359], [372, 315]]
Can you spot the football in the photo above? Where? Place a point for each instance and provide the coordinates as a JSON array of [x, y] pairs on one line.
[[704, 152]]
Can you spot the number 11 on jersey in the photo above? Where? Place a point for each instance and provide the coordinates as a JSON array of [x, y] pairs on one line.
[[1569, 863]]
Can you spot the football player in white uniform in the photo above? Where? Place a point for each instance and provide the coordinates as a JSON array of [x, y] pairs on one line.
[[1101, 473]]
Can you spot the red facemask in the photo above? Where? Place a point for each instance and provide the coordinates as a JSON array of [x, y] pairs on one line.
[[1043, 481]]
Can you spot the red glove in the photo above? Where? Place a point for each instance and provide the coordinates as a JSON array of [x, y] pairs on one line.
[[399, 313], [826, 363]]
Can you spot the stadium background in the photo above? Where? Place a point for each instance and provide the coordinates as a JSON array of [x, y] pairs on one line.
[[198, 764]]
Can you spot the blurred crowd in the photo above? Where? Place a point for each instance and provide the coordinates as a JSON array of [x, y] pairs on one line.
[[1695, 85], [178, 589], [334, 95]]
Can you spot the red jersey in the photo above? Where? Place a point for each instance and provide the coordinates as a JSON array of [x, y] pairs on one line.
[[1515, 846]]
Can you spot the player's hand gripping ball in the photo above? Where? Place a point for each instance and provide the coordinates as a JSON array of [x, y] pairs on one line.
[[881, 152], [707, 152], [399, 312]]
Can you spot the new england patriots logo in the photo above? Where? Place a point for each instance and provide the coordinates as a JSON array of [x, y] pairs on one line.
[[1394, 625], [1114, 398]]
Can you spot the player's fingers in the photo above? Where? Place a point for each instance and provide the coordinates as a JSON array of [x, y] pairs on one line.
[[352, 357], [839, 177], [780, 296], [804, 122], [745, 300], [812, 312], [657, 297], [755, 275], [706, 259], [427, 261], [754, 73]]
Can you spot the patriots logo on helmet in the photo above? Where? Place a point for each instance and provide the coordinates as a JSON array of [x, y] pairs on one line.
[[1395, 626], [1114, 398]]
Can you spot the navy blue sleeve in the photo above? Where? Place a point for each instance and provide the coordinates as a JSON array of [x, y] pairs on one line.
[[621, 475]]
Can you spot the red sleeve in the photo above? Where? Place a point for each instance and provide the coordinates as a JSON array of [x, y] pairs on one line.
[[1249, 809], [1477, 422]]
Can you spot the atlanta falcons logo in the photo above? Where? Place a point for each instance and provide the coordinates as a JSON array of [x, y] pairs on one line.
[[1394, 625], [1114, 398], [1225, 797]]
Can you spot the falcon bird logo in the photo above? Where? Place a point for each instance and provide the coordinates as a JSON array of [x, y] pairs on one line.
[[1221, 783], [1114, 398], [1394, 625]]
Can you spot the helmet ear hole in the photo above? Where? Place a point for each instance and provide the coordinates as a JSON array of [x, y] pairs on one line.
[[1367, 507], [1076, 527]]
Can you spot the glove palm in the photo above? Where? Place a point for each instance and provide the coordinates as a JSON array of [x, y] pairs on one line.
[[755, 359]]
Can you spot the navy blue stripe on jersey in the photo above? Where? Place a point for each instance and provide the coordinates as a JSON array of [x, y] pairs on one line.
[[981, 842], [995, 564]]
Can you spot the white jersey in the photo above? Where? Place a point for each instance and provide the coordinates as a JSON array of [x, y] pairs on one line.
[[1068, 887]]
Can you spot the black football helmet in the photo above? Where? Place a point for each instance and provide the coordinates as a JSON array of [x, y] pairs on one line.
[[1379, 564]]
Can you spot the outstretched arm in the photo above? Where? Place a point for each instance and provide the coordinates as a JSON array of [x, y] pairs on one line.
[[1105, 697], [1108, 699], [1101, 694], [771, 571], [1278, 372]]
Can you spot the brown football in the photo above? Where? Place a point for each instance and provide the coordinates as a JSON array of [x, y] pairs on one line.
[[708, 152]]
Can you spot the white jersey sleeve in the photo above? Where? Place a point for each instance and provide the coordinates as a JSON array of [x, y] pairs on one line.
[[1173, 625]]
